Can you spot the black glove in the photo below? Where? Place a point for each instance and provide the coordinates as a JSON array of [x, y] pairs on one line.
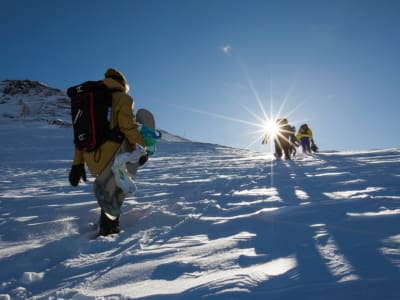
[[77, 172], [143, 159]]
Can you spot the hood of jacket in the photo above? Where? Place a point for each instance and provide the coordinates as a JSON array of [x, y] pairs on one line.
[[115, 80], [114, 85]]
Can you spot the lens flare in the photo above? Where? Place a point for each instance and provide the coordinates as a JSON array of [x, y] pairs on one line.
[[271, 128], [264, 120]]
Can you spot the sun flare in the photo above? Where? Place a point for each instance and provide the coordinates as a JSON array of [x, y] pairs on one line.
[[271, 128], [264, 121]]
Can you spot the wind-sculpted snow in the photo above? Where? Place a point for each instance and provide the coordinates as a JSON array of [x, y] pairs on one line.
[[206, 222]]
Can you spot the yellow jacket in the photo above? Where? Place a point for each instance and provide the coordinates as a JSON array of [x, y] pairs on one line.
[[121, 115], [308, 134]]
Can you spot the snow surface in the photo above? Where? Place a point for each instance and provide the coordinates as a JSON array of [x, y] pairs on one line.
[[26, 100], [207, 222]]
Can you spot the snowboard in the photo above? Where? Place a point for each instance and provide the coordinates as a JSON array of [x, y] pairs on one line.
[[148, 130], [265, 140], [314, 148], [125, 164], [146, 118]]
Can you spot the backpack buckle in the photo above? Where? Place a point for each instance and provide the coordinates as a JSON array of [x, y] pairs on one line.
[[79, 89]]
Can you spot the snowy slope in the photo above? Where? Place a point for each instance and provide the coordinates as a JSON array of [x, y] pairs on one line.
[[207, 222], [26, 100]]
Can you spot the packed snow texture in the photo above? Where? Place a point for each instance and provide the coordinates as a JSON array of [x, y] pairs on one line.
[[207, 221]]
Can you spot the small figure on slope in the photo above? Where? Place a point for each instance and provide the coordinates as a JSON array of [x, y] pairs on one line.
[[284, 139], [305, 136]]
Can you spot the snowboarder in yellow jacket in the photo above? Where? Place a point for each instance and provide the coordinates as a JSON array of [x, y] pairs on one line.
[[109, 196], [305, 137]]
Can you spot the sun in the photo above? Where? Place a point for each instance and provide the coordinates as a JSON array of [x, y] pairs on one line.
[[271, 128], [265, 122]]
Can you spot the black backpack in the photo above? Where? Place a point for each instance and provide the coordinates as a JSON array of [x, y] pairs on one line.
[[90, 110]]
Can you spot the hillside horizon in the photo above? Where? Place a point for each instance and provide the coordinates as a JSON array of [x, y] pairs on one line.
[[34, 101]]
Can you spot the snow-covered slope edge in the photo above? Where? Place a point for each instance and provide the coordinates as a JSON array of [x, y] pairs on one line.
[[27, 100], [34, 103], [206, 222]]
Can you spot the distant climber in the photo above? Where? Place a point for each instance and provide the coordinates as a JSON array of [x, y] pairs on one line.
[[284, 139], [305, 137]]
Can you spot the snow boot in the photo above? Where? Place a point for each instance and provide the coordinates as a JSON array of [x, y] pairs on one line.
[[107, 225]]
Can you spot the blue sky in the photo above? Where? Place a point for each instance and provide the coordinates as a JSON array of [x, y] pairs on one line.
[[207, 68]]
